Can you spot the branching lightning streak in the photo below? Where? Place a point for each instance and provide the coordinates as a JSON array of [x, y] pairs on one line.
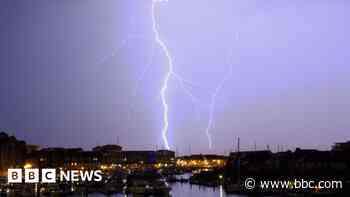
[[167, 75], [143, 73], [139, 79], [183, 83], [121, 46], [213, 100]]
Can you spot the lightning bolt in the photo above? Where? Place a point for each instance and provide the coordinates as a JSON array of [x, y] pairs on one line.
[[183, 83], [168, 75], [214, 96]]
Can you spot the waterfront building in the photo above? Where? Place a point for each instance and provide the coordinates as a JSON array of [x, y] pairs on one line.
[[12, 152], [341, 146], [108, 154], [201, 161]]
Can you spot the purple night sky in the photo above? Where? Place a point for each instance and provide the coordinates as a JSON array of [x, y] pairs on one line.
[[84, 73]]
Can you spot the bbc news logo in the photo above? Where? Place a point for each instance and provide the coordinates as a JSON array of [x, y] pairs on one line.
[[50, 175]]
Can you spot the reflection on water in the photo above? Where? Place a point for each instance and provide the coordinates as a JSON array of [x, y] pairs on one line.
[[186, 190]]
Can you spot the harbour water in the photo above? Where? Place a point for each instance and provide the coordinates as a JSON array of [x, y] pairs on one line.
[[185, 190]]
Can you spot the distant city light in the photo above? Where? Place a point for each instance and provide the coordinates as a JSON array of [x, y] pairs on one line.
[[27, 166]]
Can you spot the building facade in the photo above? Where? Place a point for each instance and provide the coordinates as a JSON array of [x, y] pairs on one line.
[[12, 153]]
